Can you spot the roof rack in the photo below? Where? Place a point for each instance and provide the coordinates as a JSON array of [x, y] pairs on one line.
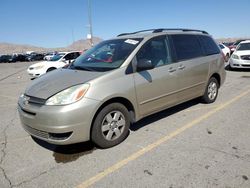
[[164, 29]]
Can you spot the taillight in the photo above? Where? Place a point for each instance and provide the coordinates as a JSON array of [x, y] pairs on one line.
[[224, 57]]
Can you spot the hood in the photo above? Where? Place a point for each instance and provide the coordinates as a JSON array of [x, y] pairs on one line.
[[38, 64], [58, 80], [242, 52]]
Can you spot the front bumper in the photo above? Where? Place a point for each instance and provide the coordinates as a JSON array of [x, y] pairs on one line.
[[59, 125], [34, 73], [239, 63]]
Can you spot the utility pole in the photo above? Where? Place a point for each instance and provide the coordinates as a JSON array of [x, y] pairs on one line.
[[90, 35]]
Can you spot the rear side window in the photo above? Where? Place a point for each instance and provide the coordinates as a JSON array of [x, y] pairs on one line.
[[209, 46], [186, 47]]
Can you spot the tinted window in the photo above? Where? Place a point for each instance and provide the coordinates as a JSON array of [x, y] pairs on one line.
[[221, 46], [186, 47], [243, 46], [156, 51], [209, 46]]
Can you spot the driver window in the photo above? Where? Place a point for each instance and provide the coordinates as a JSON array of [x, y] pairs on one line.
[[156, 51]]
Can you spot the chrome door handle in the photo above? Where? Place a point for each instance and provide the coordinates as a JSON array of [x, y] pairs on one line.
[[171, 69], [181, 67]]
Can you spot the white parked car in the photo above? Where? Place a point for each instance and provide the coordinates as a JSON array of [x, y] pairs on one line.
[[226, 51], [60, 60], [241, 56]]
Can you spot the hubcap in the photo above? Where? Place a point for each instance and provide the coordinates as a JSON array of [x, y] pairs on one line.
[[212, 90], [113, 125]]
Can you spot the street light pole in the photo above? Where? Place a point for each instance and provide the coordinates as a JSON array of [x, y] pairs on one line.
[[90, 23]]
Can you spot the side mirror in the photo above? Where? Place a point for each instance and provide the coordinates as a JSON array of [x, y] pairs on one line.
[[144, 64]]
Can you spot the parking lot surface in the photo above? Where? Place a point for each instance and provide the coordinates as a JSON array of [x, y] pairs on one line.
[[190, 145]]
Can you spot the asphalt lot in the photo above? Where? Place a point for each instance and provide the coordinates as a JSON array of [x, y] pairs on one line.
[[191, 145]]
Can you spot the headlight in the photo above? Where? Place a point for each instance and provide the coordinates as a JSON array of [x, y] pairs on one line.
[[69, 95], [235, 56]]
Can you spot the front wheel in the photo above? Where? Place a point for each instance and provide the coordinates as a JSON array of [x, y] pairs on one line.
[[211, 92], [111, 125]]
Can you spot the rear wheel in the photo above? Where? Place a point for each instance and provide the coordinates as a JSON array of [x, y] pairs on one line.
[[111, 125], [211, 92]]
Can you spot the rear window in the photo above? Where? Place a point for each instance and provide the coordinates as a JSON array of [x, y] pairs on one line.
[[209, 46], [186, 47]]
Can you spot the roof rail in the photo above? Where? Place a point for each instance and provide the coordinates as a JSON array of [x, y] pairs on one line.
[[142, 31], [179, 29], [162, 30]]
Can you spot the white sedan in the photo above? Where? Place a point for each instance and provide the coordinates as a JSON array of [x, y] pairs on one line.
[[60, 60], [241, 56], [226, 51]]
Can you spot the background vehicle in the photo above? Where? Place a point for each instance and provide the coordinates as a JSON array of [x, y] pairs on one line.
[[35, 57], [241, 56], [5, 59], [60, 60], [18, 58], [49, 55], [226, 51], [227, 43], [120, 81], [234, 45]]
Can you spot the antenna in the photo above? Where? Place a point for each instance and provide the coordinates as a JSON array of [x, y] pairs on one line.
[[90, 35]]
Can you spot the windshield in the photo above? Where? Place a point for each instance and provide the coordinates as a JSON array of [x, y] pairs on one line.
[[244, 46], [107, 55], [57, 57]]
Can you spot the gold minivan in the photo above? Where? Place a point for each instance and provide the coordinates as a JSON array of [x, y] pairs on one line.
[[119, 82]]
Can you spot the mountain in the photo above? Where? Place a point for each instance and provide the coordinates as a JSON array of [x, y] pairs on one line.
[[83, 44], [80, 45], [8, 48]]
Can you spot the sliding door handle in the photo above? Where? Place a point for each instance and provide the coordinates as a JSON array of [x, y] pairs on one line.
[[181, 67], [171, 69]]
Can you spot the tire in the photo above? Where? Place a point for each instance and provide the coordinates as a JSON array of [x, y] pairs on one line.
[[227, 57], [230, 67], [211, 92], [111, 126], [51, 69]]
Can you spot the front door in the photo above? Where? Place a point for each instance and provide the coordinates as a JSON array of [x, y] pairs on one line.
[[156, 88]]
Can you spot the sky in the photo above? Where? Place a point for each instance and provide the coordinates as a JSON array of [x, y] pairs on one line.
[[57, 23]]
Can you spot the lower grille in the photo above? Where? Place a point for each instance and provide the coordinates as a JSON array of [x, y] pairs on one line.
[[245, 65], [36, 132]]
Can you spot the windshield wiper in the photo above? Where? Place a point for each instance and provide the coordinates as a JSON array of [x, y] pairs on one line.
[[81, 68]]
